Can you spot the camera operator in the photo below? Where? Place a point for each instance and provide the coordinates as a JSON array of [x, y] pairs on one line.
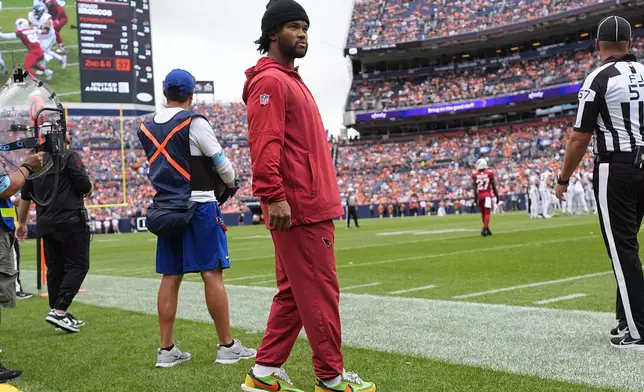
[[62, 225], [9, 185]]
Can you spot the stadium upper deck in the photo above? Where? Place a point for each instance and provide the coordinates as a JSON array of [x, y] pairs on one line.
[[404, 28]]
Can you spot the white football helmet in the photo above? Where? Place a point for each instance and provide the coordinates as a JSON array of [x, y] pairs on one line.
[[481, 164], [22, 23]]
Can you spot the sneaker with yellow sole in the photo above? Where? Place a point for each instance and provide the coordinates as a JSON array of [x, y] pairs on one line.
[[276, 382], [350, 382]]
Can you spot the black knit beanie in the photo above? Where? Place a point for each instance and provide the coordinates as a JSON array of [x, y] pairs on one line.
[[279, 12]]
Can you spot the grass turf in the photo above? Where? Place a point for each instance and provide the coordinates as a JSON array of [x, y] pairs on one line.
[[115, 351]]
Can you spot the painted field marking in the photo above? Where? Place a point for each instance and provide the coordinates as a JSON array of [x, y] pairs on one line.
[[559, 299], [262, 282], [359, 286], [248, 277], [530, 285], [103, 270], [435, 255], [423, 232], [431, 286], [381, 244]]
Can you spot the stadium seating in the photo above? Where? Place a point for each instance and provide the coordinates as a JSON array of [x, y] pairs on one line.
[[376, 23], [456, 85], [437, 167]]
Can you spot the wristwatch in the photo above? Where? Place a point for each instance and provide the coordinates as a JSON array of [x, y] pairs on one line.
[[562, 182]]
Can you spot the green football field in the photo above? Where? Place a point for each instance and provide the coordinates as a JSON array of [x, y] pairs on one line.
[[427, 305], [65, 82]]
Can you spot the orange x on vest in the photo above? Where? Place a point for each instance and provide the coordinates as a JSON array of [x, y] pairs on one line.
[[161, 147]]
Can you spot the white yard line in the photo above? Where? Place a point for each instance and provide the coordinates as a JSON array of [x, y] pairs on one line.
[[385, 243], [226, 280], [431, 286], [68, 93], [559, 299], [531, 285], [359, 286], [475, 250], [262, 282]]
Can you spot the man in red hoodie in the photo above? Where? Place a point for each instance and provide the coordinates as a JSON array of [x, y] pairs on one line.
[[295, 180]]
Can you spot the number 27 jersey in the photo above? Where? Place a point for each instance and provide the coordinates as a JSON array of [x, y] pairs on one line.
[[483, 182]]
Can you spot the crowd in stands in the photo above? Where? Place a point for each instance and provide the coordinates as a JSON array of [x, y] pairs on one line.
[[421, 168], [474, 83], [378, 22], [439, 168]]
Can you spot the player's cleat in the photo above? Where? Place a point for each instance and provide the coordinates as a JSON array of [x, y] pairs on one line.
[[23, 295], [171, 358], [63, 322], [484, 232], [49, 73], [8, 374], [620, 330], [488, 231], [628, 342], [276, 382], [350, 383], [234, 354]]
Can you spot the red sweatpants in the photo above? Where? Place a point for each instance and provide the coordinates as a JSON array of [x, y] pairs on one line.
[[485, 213], [309, 296], [31, 61]]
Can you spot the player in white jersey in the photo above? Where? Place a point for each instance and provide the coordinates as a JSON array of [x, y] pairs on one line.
[[545, 194], [44, 24], [575, 199], [535, 197], [589, 192]]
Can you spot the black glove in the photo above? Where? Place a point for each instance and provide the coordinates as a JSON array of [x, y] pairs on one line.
[[229, 192]]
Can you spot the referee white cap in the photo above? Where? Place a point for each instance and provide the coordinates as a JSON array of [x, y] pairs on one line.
[[614, 29]]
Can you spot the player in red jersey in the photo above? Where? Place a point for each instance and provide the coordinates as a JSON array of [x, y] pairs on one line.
[[60, 19], [29, 38], [484, 186]]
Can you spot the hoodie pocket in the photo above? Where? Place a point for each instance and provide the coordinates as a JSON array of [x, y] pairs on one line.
[[314, 175]]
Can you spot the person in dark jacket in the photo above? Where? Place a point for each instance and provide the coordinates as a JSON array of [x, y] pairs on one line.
[[62, 225], [294, 178]]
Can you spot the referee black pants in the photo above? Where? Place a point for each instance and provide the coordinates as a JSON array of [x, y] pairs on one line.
[[352, 212], [619, 192], [67, 260]]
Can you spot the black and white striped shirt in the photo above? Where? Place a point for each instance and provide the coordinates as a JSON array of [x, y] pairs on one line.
[[611, 104]]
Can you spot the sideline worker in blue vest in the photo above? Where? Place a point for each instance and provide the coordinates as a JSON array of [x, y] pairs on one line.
[[8, 211], [184, 159]]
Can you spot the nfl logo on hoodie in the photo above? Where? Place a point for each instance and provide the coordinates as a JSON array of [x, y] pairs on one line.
[[263, 99]]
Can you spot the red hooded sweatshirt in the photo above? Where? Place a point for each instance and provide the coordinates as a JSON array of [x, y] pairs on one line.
[[288, 145]]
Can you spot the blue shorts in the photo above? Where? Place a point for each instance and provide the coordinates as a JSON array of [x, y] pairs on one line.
[[202, 247]]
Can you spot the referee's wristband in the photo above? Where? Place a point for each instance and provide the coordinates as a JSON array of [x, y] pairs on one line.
[[562, 182]]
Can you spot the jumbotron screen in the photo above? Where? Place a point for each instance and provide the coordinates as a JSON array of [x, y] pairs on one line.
[[95, 51]]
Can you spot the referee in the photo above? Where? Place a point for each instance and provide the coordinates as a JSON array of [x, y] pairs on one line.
[[611, 108]]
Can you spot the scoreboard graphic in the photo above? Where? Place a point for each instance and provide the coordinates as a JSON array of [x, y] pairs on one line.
[[102, 52], [115, 51]]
